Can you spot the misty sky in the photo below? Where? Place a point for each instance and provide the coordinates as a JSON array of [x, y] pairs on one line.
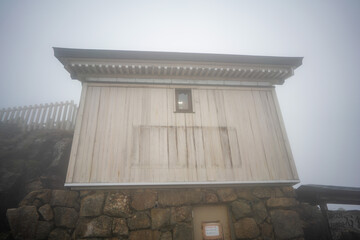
[[320, 104]]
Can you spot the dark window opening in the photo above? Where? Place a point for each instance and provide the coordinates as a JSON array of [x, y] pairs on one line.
[[183, 100]]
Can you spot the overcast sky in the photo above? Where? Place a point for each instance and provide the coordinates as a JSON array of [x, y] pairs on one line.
[[320, 104]]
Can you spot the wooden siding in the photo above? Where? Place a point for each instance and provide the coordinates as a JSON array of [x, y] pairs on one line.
[[131, 134]]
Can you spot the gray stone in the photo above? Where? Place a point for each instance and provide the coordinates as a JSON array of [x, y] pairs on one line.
[[160, 217], [277, 193], [240, 209], [23, 222], [117, 205], [226, 194], [140, 220], [119, 227], [286, 224], [211, 197], [43, 230], [177, 198], [166, 236], [281, 202], [183, 231], [259, 211], [62, 198], [144, 234], [46, 212], [262, 192], [245, 195], [59, 234], [42, 195], [181, 214], [92, 205], [95, 227], [246, 228], [143, 200], [288, 191], [266, 230], [65, 217]]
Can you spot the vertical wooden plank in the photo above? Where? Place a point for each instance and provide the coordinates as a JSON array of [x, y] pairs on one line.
[[59, 115], [45, 112], [2, 111], [286, 140], [38, 114], [49, 114], [12, 115], [239, 138], [53, 116], [32, 117], [75, 144], [17, 115], [64, 116], [6, 114]]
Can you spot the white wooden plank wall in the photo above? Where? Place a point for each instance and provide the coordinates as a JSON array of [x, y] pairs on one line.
[[131, 134], [44, 116]]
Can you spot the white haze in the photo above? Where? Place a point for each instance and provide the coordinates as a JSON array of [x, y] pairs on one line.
[[320, 104]]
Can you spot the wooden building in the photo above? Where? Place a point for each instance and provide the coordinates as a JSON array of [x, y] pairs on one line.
[[178, 119]]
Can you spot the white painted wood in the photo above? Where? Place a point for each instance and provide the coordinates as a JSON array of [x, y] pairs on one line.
[[132, 134]]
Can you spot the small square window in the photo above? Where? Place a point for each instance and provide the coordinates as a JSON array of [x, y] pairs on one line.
[[183, 100]]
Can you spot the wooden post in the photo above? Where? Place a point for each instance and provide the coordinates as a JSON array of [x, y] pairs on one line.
[[324, 210]]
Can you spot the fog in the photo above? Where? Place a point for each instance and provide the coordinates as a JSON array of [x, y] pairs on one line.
[[320, 103]]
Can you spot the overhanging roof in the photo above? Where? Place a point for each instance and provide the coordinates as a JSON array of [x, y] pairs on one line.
[[90, 64], [318, 194]]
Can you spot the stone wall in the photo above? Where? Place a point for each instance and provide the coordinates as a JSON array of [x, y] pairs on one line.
[[256, 213]]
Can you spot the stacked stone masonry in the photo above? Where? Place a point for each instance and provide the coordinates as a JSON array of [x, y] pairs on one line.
[[154, 214]]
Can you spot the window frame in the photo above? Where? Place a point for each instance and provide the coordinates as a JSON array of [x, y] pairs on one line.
[[187, 91]]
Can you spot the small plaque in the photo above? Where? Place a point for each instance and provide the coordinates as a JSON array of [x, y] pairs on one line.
[[212, 231]]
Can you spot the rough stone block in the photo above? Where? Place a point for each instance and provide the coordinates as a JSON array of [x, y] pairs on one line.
[[117, 205], [23, 222], [59, 234], [62, 198], [286, 224], [281, 202], [96, 227], [288, 191], [119, 227], [42, 195], [266, 230], [177, 198], [211, 197], [92, 205], [43, 230], [183, 231], [246, 228], [259, 211], [181, 214], [65, 217], [46, 212], [245, 195], [145, 234], [143, 200], [140, 220], [160, 217], [262, 192], [240, 209], [226, 194], [166, 236]]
